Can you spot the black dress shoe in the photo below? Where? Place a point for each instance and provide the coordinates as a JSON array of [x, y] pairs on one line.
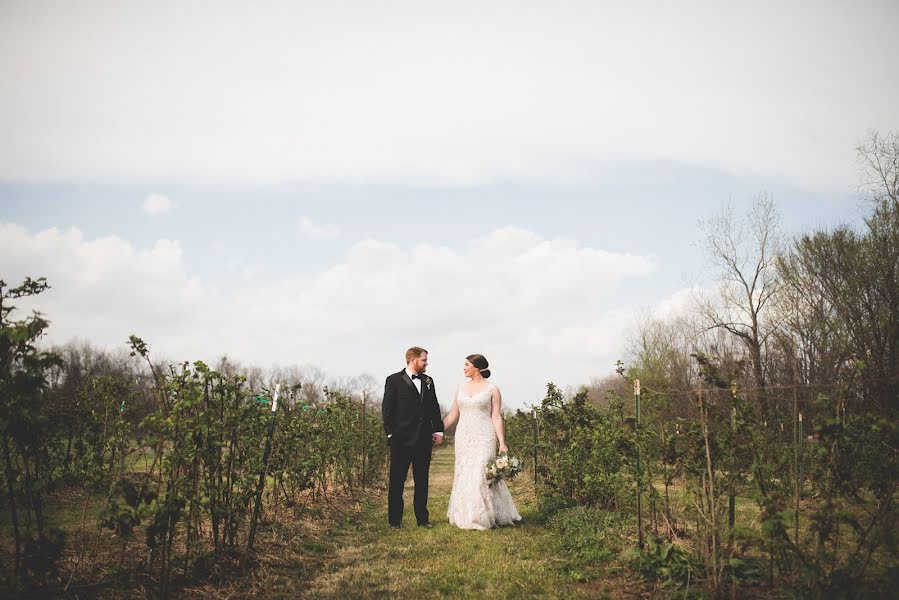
[[426, 525]]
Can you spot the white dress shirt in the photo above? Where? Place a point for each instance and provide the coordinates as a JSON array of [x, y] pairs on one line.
[[417, 383]]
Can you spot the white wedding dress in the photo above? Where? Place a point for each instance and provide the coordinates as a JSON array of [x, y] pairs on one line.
[[473, 504]]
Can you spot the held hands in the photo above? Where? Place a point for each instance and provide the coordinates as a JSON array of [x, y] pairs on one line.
[[436, 439]]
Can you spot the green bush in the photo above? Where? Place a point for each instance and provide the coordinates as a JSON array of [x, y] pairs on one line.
[[591, 536], [665, 563], [585, 452]]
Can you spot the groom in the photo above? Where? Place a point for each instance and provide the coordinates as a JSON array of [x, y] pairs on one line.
[[413, 425]]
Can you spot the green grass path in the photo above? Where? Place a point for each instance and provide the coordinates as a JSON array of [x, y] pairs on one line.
[[372, 560]]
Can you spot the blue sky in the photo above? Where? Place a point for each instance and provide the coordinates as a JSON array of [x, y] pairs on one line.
[[336, 182], [645, 209], [242, 241]]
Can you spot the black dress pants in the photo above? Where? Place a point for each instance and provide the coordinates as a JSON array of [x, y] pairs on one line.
[[419, 456]]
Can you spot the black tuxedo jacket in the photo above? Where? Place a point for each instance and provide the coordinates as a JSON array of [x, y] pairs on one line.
[[408, 416]]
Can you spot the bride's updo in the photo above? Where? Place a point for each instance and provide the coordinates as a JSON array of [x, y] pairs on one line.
[[480, 363]]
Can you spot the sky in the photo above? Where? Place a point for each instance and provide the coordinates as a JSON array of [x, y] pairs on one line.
[[328, 184]]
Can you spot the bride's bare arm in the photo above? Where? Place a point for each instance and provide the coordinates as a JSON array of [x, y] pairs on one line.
[[453, 415], [496, 399]]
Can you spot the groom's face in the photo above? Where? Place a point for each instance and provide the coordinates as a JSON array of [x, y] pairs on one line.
[[419, 364]]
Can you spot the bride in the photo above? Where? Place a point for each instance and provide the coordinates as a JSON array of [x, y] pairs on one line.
[[478, 409]]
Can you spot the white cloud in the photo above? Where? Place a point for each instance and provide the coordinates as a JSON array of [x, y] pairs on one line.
[[103, 289], [310, 229], [440, 93], [539, 309], [681, 303], [157, 204]]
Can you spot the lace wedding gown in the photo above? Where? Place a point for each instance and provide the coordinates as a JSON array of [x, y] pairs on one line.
[[473, 504]]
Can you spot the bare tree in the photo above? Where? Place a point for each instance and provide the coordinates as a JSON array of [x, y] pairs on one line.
[[842, 298], [744, 254], [599, 389], [357, 386], [878, 157]]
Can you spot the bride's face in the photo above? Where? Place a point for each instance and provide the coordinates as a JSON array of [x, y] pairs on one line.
[[468, 369]]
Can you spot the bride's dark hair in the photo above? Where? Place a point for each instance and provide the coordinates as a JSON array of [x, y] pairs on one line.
[[480, 363]]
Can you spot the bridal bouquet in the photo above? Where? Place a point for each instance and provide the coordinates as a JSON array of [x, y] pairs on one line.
[[503, 467]]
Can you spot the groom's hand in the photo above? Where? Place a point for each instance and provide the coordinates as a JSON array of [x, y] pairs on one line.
[[437, 439]]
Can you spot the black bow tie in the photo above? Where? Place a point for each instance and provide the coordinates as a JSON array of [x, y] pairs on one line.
[[416, 377]]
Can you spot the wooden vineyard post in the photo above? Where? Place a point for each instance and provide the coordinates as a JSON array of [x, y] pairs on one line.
[[536, 438], [797, 439], [363, 439], [639, 465], [731, 491], [798, 473]]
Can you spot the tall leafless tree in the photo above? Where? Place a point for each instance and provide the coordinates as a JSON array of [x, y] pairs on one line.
[[878, 156], [743, 252]]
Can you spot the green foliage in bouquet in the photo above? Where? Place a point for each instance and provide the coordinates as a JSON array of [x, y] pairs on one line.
[[503, 467]]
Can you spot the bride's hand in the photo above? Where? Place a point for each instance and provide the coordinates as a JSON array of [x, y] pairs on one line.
[[503, 449]]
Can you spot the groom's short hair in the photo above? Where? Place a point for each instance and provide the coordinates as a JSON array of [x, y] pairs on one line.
[[414, 352]]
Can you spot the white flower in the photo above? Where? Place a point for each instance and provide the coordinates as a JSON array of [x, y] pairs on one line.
[[501, 462]]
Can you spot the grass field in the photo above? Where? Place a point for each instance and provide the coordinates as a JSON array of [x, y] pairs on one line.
[[376, 561]]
